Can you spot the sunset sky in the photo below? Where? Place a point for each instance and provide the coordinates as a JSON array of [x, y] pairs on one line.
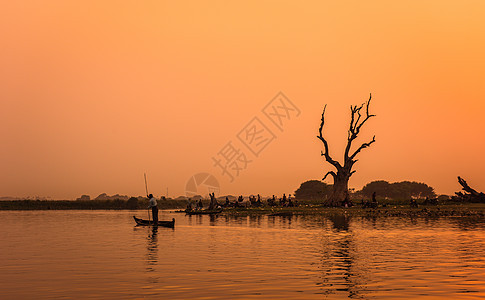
[[93, 94]]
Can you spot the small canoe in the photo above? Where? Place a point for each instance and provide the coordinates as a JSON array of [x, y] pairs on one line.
[[203, 212], [142, 222]]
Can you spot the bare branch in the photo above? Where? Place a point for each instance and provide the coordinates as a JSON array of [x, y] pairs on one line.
[[368, 116], [352, 117], [330, 173], [325, 144], [364, 145], [355, 126], [466, 187], [357, 110]]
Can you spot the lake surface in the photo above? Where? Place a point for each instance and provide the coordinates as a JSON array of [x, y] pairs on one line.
[[102, 255]]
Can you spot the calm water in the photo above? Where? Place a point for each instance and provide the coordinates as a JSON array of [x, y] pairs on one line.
[[101, 254]]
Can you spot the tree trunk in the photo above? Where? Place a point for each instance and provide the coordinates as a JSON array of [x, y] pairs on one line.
[[339, 192]]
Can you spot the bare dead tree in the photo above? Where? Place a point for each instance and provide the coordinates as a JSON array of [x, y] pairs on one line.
[[344, 172], [469, 194]]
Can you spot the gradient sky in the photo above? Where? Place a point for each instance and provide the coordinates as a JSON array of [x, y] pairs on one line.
[[95, 93]]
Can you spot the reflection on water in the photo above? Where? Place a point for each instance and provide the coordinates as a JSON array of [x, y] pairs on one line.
[[152, 247], [101, 254], [338, 271], [152, 255], [469, 223], [340, 222]]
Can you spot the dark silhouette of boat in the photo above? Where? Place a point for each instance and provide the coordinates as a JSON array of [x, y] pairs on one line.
[[203, 212], [142, 222]]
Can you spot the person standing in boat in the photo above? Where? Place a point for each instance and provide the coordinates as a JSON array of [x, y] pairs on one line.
[[153, 205]]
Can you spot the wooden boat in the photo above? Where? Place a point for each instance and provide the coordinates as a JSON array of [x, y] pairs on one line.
[[203, 212], [142, 222]]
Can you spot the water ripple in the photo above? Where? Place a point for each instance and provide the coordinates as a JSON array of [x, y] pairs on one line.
[[100, 254]]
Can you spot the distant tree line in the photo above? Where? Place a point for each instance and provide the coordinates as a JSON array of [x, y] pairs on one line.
[[115, 204], [104, 197], [398, 190], [319, 190]]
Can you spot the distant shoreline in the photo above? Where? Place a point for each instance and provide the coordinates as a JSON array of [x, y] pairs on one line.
[[88, 204], [476, 210]]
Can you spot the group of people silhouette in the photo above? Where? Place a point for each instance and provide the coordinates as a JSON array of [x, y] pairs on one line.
[[252, 201]]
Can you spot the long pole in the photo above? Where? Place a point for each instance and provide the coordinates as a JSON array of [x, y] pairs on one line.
[[146, 189]]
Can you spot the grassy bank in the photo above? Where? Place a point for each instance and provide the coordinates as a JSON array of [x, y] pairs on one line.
[[444, 210], [385, 209]]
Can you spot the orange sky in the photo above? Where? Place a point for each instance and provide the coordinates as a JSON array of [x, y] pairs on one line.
[[95, 93]]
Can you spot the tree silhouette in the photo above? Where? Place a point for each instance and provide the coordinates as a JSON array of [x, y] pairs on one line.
[[403, 190], [344, 172], [313, 190], [469, 194]]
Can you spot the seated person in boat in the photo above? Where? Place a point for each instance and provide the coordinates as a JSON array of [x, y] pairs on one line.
[[189, 205], [153, 205], [199, 204], [283, 201], [252, 201], [290, 203], [272, 201]]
